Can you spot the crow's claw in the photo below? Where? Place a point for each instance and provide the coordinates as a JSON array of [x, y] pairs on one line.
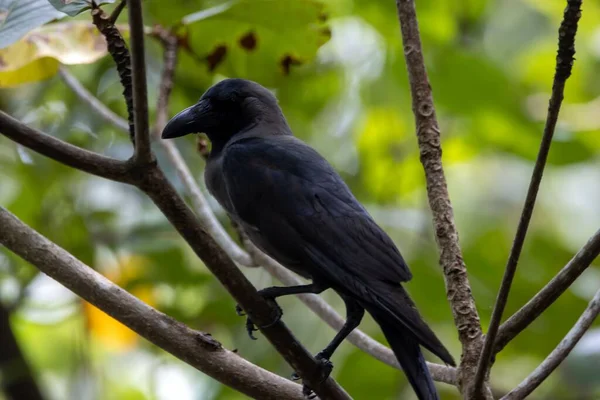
[[239, 310], [278, 312], [250, 326], [325, 367], [308, 392]]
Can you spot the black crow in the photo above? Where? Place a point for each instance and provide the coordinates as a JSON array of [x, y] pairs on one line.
[[295, 207]]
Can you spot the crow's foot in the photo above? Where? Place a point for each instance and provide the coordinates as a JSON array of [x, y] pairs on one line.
[[250, 326], [325, 368]]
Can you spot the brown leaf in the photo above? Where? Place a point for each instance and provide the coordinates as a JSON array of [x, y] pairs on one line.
[[248, 41], [287, 61], [216, 57]]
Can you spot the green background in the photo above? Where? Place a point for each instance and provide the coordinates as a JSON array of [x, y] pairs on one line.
[[491, 65]]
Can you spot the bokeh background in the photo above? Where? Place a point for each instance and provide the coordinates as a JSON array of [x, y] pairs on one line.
[[491, 64]]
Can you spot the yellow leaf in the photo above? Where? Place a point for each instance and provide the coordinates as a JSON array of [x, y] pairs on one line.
[[111, 333], [37, 55], [41, 69]]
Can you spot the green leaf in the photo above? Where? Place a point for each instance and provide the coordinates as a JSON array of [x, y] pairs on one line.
[[74, 7], [257, 39], [17, 17]]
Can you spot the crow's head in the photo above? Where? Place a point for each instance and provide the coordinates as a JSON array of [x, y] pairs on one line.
[[229, 107]]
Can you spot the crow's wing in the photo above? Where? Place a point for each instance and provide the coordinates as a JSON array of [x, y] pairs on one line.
[[301, 209]]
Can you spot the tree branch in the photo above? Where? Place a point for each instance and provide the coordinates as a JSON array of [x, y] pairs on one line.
[[564, 63], [117, 48], [103, 111], [117, 11], [549, 294], [153, 182], [63, 152], [143, 151], [198, 349], [458, 289], [558, 355], [170, 45], [17, 380]]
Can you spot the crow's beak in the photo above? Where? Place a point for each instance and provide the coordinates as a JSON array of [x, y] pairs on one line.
[[186, 122]]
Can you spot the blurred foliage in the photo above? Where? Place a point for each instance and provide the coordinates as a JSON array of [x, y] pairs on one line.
[[19, 17], [490, 62], [37, 56], [74, 7]]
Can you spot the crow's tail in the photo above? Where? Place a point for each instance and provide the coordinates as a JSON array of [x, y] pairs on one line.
[[406, 348]]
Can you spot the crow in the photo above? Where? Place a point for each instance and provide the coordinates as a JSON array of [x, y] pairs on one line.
[[294, 206]]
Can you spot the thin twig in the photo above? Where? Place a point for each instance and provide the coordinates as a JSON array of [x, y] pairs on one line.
[[63, 152], [117, 48], [117, 11], [170, 44], [558, 355], [458, 289], [103, 111], [549, 294], [564, 63], [196, 348], [143, 151]]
